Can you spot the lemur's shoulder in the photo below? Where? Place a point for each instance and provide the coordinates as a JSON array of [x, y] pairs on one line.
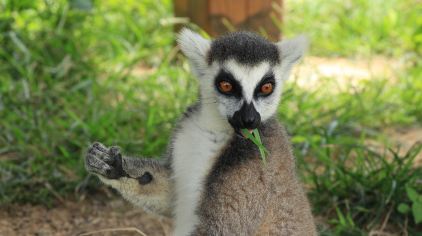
[[187, 114]]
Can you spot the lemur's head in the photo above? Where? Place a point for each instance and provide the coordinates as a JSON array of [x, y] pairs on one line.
[[242, 73]]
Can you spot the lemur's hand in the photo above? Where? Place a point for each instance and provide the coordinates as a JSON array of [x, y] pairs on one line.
[[104, 161], [146, 183]]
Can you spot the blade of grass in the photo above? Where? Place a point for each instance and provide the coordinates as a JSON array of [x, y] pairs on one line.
[[256, 139]]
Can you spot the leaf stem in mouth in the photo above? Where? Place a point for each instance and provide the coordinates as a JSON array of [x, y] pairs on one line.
[[256, 139]]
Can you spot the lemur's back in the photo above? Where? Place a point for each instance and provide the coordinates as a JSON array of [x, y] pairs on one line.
[[251, 197]]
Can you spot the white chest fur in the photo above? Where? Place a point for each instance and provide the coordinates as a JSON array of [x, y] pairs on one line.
[[194, 152]]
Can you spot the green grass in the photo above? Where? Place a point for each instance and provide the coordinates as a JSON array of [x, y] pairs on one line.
[[357, 27], [69, 75], [351, 183]]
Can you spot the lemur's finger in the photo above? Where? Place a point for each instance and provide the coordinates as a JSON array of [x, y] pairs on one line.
[[99, 147], [115, 151], [96, 165], [93, 163], [104, 161], [115, 158], [108, 155], [100, 151]]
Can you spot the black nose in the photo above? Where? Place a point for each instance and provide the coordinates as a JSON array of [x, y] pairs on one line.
[[246, 118], [250, 117]]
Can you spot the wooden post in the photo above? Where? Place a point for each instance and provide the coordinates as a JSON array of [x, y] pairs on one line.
[[220, 16]]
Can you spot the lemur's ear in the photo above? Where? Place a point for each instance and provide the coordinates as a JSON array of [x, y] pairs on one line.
[[194, 46], [292, 50]]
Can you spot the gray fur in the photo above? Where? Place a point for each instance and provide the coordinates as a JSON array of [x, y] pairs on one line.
[[246, 197], [245, 47]]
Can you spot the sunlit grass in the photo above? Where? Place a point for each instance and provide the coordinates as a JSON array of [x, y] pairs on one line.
[[356, 28]]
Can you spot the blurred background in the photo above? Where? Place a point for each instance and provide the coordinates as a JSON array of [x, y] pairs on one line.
[[76, 71]]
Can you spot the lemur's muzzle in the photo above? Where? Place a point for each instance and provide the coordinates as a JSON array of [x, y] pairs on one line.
[[245, 118]]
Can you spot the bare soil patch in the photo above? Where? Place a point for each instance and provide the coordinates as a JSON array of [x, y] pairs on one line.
[[78, 217], [343, 73], [405, 138]]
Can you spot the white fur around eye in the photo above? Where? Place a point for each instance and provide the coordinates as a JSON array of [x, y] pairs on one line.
[[249, 77], [228, 106]]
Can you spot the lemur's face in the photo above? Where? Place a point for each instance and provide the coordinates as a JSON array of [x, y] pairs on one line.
[[247, 95], [241, 73]]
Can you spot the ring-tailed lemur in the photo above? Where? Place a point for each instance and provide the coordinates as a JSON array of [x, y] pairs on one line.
[[213, 181]]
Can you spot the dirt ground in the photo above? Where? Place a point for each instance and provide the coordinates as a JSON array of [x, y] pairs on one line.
[[405, 138], [80, 218], [344, 73]]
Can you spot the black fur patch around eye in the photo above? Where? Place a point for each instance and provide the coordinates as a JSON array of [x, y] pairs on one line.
[[244, 47], [268, 78], [146, 178], [227, 76]]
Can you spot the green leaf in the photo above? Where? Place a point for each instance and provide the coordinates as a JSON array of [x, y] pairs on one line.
[[262, 149], [256, 135], [340, 216], [412, 194], [298, 139], [256, 139], [417, 212], [403, 208], [350, 220]]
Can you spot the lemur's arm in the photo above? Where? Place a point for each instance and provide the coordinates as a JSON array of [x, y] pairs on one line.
[[143, 182]]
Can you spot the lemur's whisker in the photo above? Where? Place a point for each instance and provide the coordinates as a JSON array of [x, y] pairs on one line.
[[208, 103]]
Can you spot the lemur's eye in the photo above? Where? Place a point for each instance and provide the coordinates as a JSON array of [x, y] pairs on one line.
[[146, 178], [267, 88], [225, 87]]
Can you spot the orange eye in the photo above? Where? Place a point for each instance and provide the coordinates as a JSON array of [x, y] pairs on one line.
[[267, 88], [225, 86]]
